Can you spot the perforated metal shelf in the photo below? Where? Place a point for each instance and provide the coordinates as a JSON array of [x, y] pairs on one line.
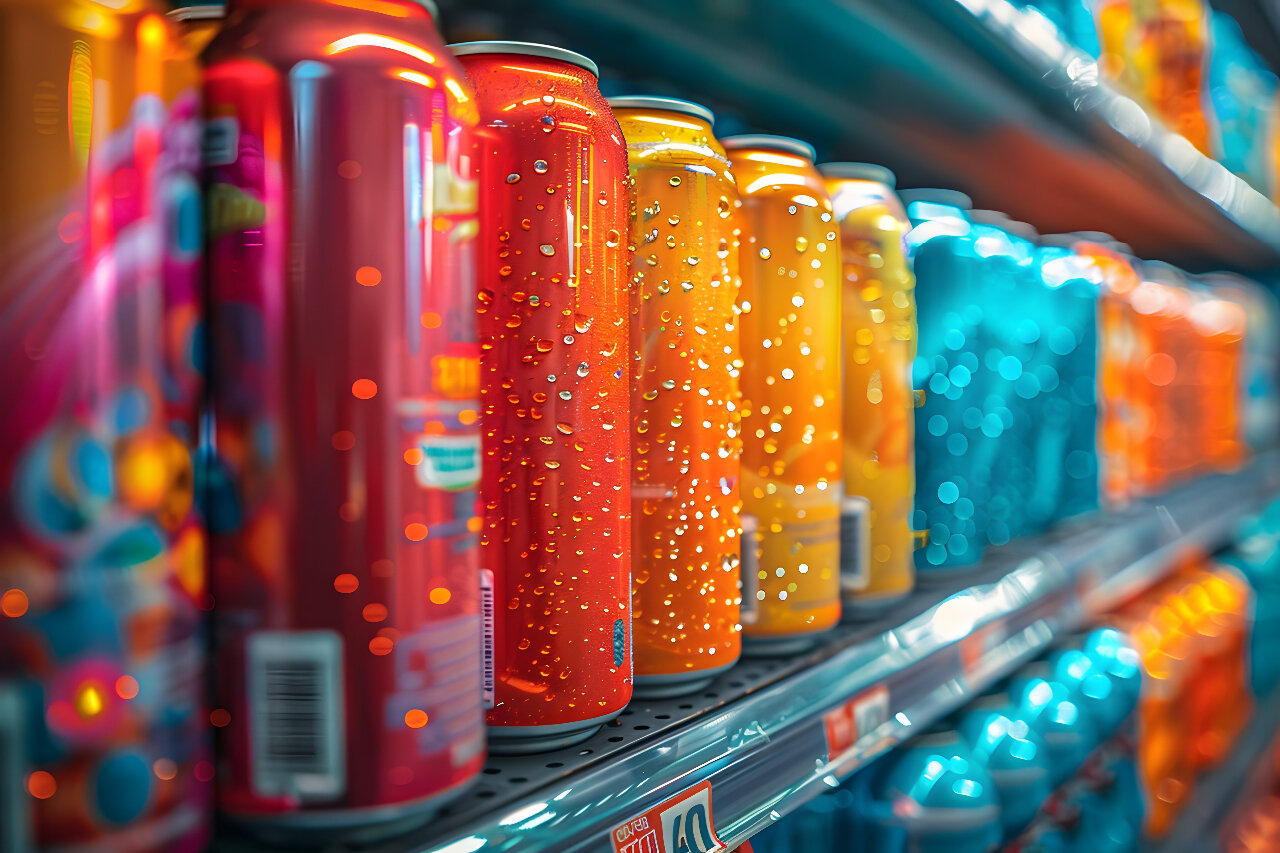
[[757, 733]]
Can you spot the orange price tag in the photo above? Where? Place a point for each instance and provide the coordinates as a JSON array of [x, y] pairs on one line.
[[859, 716], [682, 824]]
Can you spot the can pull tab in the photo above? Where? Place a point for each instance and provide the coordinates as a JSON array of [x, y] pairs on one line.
[[917, 397]]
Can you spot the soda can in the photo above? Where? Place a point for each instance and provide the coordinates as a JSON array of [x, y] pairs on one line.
[[555, 358], [1014, 755], [345, 452], [103, 727], [685, 445], [930, 795], [877, 567], [792, 455]]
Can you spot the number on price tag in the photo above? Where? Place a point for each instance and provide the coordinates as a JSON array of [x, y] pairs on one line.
[[683, 824]]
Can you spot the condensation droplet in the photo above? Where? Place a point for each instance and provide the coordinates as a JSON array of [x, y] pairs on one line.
[[612, 238], [675, 181], [673, 219], [801, 244], [540, 166], [547, 249], [548, 124], [583, 369], [504, 271], [568, 339], [564, 429], [548, 100], [766, 254], [526, 224], [566, 395], [513, 178]]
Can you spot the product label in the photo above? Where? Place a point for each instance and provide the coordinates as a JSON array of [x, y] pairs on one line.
[[854, 719], [855, 543], [220, 143], [683, 824], [749, 568], [449, 462], [297, 734], [486, 614]]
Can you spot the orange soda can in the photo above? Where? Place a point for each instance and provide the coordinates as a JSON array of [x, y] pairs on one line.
[[792, 454], [1217, 372], [1164, 399], [1115, 372], [1165, 767], [686, 447], [879, 337]]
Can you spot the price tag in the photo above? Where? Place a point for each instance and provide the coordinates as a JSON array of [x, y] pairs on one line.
[[683, 824], [859, 716]]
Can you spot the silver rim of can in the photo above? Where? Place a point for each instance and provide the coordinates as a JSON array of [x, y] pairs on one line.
[[201, 12], [769, 141], [525, 48], [670, 105], [430, 5], [859, 172]]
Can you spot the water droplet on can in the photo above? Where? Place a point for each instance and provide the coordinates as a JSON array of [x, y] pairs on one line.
[[513, 178], [547, 249], [540, 166]]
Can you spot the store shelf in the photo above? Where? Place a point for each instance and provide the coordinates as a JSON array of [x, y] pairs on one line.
[[1219, 792], [962, 93], [758, 733]]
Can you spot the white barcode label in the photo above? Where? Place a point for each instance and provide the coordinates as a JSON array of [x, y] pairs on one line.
[[14, 825], [298, 734], [855, 543], [749, 568], [486, 613]]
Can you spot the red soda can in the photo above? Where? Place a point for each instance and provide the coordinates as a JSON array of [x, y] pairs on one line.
[[345, 459], [554, 335], [103, 739]]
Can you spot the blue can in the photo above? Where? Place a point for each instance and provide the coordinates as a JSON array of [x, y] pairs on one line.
[[1068, 733], [931, 795], [1013, 754], [952, 492]]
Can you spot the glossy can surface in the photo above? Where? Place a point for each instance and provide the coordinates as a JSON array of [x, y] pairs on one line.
[[102, 554], [685, 400], [791, 389], [342, 488], [879, 340], [555, 357]]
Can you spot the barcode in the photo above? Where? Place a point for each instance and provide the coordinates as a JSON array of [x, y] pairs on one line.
[[486, 613], [14, 836], [295, 695], [855, 543], [749, 567]]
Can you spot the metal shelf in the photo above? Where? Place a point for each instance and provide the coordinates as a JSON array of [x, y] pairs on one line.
[[960, 93], [759, 733]]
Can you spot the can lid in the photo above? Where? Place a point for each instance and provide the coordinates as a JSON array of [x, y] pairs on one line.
[[525, 48], [859, 172], [769, 141], [199, 12], [671, 105], [430, 5], [932, 195]]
